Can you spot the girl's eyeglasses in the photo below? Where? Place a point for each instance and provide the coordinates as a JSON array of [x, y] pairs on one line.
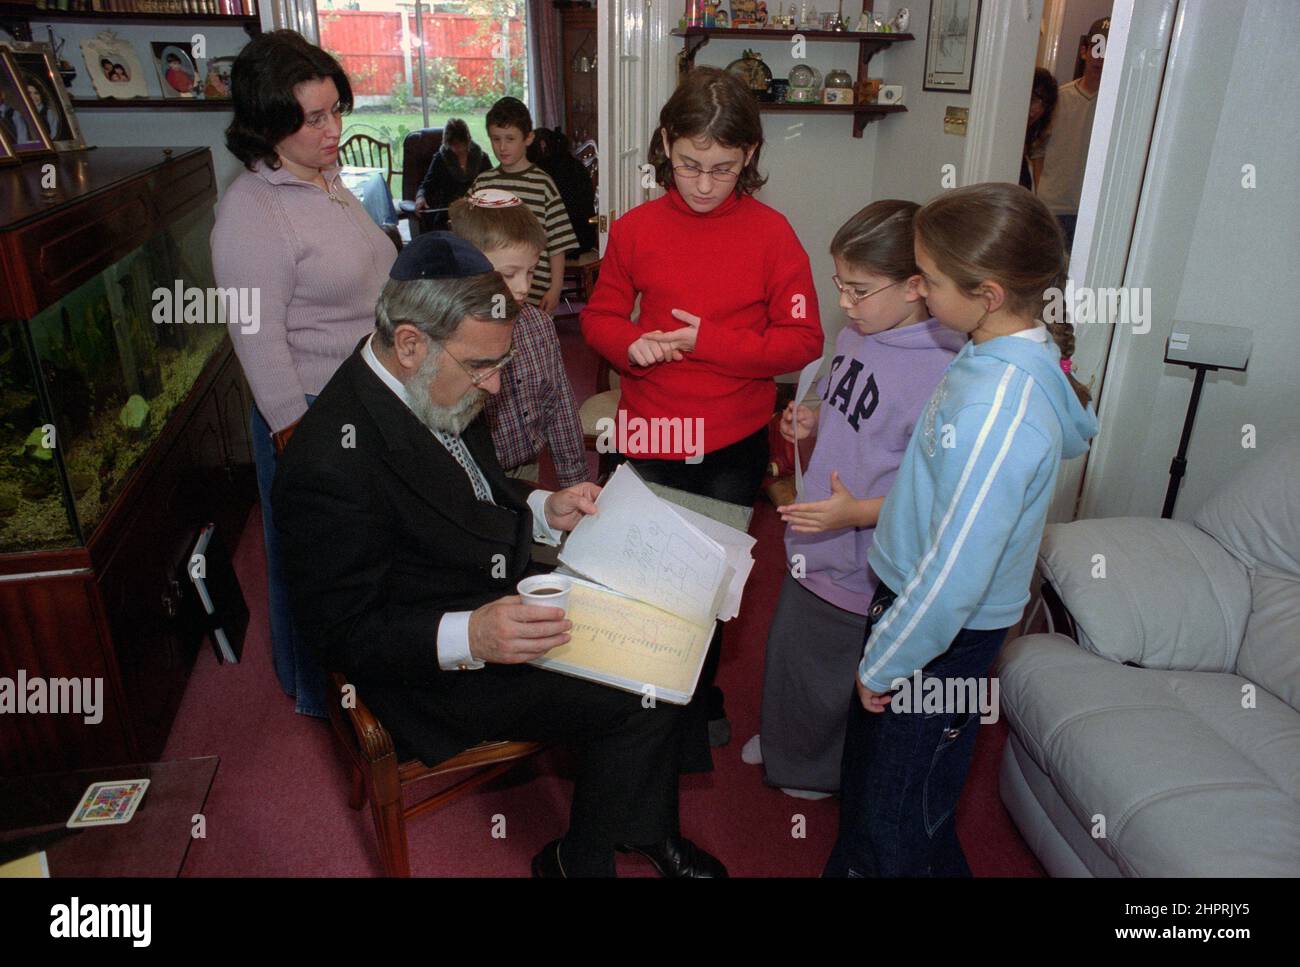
[[317, 118], [694, 171], [479, 376], [855, 293]]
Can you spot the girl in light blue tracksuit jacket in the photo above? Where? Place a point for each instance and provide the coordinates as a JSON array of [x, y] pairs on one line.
[[959, 531]]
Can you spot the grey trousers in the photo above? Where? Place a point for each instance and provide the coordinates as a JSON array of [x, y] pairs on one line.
[[813, 650]]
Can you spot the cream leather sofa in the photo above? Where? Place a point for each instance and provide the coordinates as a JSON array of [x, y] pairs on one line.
[[1164, 739]]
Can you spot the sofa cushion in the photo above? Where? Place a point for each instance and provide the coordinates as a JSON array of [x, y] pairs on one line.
[[1170, 597], [1189, 782], [1256, 516], [1270, 653]]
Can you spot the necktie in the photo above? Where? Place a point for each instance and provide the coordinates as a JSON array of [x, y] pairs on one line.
[[456, 447]]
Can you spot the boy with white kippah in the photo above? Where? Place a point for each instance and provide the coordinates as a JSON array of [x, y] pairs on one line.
[[535, 407]]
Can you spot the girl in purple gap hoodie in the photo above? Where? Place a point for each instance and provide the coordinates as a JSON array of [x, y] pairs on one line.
[[887, 362]]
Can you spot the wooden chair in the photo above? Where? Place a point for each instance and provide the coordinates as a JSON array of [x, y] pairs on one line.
[[579, 282], [602, 405], [377, 775], [363, 151]]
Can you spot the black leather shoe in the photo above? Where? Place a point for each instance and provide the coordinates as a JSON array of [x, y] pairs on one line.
[[679, 857], [547, 865]]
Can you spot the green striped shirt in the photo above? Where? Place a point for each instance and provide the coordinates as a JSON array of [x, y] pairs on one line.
[[536, 190]]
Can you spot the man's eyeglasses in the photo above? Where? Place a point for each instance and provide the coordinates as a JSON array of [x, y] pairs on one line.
[[479, 376], [855, 293], [317, 118], [717, 174]]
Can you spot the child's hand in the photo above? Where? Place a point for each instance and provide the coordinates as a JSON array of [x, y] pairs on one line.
[[841, 509], [874, 702], [647, 351], [683, 340], [550, 299], [807, 422]]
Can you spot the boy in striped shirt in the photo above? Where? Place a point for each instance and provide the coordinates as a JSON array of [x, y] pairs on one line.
[[510, 128]]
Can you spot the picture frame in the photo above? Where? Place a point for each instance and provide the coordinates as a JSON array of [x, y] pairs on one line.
[[216, 82], [8, 156], [950, 45], [26, 136], [114, 67], [178, 74], [38, 68]]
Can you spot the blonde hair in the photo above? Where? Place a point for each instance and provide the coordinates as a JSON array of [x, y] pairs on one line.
[[488, 229], [1002, 232]]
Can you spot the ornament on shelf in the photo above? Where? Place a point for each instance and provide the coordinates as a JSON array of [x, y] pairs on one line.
[[901, 20]]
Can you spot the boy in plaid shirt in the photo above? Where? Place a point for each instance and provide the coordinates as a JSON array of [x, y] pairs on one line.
[[535, 406], [510, 128]]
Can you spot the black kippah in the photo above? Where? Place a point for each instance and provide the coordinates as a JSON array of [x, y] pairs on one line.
[[438, 255]]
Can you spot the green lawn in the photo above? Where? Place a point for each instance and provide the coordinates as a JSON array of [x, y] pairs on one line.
[[392, 127]]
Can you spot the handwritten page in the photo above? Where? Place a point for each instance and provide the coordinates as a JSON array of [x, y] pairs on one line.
[[641, 545], [739, 548], [628, 644], [806, 379]]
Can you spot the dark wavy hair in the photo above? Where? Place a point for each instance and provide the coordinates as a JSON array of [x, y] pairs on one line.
[[1046, 91], [710, 103], [262, 80]]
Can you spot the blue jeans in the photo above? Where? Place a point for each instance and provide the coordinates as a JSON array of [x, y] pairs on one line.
[[902, 772], [295, 663]]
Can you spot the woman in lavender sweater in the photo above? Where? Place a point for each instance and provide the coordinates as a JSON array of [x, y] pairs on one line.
[[289, 228], [887, 362]]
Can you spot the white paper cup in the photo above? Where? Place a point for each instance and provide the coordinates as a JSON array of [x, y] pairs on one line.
[[533, 590]]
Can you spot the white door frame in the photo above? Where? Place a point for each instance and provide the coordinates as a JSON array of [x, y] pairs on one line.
[[634, 48], [1136, 49]]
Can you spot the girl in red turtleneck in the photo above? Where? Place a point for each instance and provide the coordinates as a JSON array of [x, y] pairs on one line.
[[727, 303]]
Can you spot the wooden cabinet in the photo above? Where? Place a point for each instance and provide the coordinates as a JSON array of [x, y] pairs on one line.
[[579, 52], [148, 441]]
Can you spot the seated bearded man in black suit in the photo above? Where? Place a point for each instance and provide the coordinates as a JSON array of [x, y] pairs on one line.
[[404, 540]]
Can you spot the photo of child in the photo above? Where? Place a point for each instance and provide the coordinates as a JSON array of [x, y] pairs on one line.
[[176, 71], [113, 67]]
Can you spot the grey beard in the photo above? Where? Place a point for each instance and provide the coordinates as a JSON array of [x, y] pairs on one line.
[[445, 419]]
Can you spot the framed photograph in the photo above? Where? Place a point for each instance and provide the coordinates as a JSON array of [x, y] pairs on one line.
[[7, 154], [176, 71], [18, 118], [216, 86], [38, 70], [113, 67], [950, 45]]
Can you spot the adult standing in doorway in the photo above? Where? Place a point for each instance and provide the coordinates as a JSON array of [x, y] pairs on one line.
[[1066, 154]]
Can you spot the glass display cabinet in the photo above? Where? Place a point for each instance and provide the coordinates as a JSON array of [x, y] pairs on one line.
[[122, 431]]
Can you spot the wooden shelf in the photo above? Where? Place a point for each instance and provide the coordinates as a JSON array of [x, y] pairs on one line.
[[863, 114], [869, 44], [767, 33], [156, 103], [251, 24]]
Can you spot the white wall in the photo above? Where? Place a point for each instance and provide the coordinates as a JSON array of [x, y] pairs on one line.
[[912, 148], [1211, 251], [151, 126]]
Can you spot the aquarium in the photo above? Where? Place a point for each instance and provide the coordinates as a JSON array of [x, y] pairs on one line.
[[87, 385]]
